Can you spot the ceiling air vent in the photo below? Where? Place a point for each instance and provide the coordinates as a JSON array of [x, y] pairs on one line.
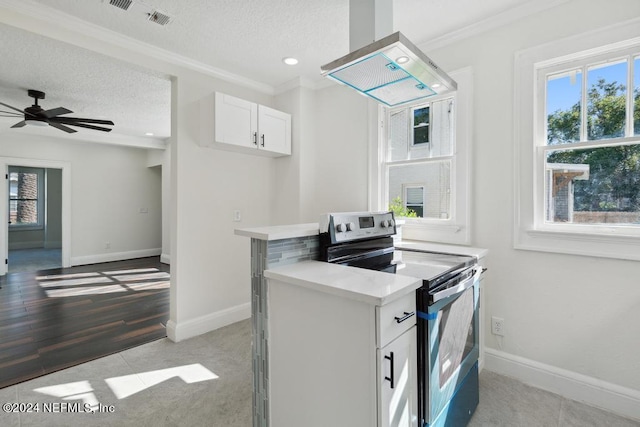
[[122, 4], [159, 18]]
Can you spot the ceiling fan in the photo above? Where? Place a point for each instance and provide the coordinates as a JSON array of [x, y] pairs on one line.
[[35, 115]]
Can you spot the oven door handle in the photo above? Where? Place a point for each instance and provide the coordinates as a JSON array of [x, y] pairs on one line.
[[459, 288]]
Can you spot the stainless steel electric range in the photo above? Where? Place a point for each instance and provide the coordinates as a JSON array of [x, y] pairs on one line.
[[447, 309]]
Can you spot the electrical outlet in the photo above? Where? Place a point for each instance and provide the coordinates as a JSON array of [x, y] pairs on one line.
[[497, 326], [237, 217]]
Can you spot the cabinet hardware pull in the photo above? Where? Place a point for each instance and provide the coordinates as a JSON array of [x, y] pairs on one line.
[[390, 359], [405, 317], [255, 138], [262, 137]]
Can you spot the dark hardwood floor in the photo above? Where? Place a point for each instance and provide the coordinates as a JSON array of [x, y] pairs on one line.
[[54, 319]]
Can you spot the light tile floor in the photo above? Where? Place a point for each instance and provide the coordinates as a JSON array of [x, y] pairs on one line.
[[165, 389]]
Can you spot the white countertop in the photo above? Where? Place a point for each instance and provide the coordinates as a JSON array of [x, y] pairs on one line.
[[369, 286], [441, 248], [279, 232]]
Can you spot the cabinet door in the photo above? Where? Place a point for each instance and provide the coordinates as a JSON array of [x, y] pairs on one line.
[[274, 130], [236, 121], [397, 382]]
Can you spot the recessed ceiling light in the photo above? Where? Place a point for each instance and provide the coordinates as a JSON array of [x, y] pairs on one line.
[[289, 60], [149, 134], [435, 85], [402, 59]]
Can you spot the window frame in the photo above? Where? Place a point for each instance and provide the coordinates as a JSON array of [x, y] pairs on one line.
[[40, 201], [540, 137], [530, 230], [457, 228]]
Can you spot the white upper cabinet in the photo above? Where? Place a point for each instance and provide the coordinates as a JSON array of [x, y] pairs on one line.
[[242, 125], [274, 130]]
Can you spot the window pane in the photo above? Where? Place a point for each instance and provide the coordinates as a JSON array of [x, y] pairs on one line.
[[434, 177], [606, 101], [398, 136], [26, 212], [564, 94], [442, 128], [23, 198], [594, 186], [636, 97]]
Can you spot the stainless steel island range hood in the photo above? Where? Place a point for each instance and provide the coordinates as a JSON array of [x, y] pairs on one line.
[[391, 70]]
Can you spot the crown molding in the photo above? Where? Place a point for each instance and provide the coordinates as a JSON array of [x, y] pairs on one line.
[[530, 8], [83, 29]]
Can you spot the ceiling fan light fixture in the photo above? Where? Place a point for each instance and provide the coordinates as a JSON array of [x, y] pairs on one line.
[[36, 122]]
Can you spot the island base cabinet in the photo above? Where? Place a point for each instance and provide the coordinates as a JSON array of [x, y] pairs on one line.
[[325, 368]]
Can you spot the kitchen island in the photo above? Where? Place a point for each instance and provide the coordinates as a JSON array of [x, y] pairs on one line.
[[322, 334], [342, 346]]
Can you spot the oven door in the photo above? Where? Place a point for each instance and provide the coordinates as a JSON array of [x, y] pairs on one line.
[[450, 350]]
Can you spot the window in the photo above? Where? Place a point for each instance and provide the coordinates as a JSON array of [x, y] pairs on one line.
[[26, 197], [423, 165], [421, 125], [591, 153], [414, 199], [578, 145], [592, 146], [418, 154]]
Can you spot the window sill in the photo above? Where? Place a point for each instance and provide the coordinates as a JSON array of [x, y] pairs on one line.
[[25, 227], [620, 246], [414, 229]]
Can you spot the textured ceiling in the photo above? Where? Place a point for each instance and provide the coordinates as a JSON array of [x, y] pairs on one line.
[[246, 37], [88, 83]]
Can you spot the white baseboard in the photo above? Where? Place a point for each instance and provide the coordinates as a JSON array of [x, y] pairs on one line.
[[165, 259], [611, 397], [200, 325], [114, 256]]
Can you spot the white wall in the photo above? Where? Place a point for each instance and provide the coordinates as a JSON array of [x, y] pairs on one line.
[[578, 314], [162, 159], [327, 171], [210, 266], [341, 152], [109, 185]]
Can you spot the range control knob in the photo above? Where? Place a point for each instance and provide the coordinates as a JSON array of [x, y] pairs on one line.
[[390, 222], [340, 228], [384, 223], [351, 226]]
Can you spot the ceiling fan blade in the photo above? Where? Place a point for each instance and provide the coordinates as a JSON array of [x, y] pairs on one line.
[[20, 124], [82, 125], [11, 113], [14, 108], [73, 120], [55, 112], [62, 127]]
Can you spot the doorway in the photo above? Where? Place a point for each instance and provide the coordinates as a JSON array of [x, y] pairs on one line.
[[35, 219], [36, 214]]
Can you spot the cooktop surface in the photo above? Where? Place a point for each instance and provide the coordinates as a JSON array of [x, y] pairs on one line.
[[429, 266]]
